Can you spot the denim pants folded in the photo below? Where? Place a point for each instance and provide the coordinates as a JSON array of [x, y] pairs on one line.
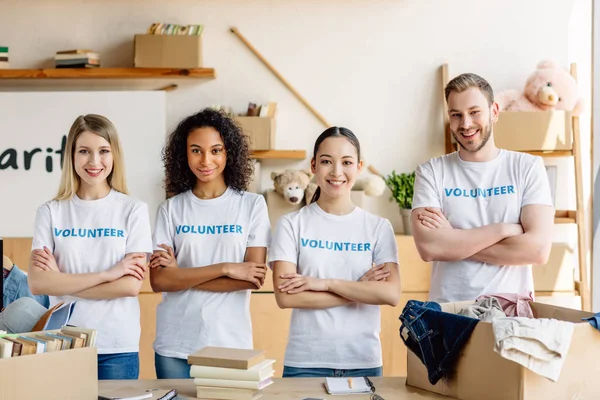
[[435, 337]]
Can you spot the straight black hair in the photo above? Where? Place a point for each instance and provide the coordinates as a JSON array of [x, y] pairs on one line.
[[334, 131]]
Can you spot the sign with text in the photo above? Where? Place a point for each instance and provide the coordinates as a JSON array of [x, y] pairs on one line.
[[33, 133]]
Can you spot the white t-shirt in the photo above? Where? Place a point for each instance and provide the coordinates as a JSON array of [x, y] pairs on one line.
[[202, 233], [92, 236], [324, 245], [476, 194]]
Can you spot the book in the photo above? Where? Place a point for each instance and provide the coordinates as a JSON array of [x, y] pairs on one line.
[[59, 316], [205, 392], [228, 383], [225, 357], [6, 348], [91, 334], [75, 51], [3, 49], [125, 393], [257, 373], [348, 385]]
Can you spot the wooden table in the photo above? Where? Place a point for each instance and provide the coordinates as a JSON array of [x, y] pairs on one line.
[[390, 388]]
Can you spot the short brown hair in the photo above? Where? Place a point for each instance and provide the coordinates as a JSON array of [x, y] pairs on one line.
[[469, 80]]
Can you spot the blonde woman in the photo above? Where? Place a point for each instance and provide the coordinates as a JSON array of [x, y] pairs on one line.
[[91, 244]]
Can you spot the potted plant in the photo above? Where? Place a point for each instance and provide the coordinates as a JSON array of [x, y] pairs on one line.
[[402, 186]]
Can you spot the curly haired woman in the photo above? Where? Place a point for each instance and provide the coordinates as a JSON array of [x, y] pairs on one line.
[[210, 242]]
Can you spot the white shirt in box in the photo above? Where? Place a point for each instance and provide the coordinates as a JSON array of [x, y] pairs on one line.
[[203, 233], [345, 247], [476, 194], [92, 236]]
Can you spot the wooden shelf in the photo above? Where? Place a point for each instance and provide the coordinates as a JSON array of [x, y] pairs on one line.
[[550, 153], [279, 154], [565, 217], [107, 73]]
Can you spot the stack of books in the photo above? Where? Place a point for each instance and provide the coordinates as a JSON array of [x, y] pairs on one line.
[[69, 337], [158, 28], [4, 58], [78, 58], [230, 374]]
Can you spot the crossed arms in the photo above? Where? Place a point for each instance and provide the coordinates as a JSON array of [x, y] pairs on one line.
[[528, 242]]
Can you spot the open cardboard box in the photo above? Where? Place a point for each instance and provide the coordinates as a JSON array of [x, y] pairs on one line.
[[66, 374], [482, 374], [535, 130]]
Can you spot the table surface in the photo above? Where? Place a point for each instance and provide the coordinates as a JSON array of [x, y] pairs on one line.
[[390, 388]]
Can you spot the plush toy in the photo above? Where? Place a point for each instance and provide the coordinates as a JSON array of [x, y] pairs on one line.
[[294, 185], [549, 87], [370, 181]]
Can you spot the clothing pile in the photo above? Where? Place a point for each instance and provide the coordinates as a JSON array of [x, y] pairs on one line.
[[437, 337]]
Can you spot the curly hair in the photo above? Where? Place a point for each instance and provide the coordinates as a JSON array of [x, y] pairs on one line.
[[238, 168]]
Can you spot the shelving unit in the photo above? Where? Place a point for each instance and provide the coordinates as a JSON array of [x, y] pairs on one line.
[[559, 135], [279, 154], [107, 73]]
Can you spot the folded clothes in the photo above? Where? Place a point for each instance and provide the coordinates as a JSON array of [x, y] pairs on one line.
[[540, 345], [484, 310], [435, 337], [513, 304]]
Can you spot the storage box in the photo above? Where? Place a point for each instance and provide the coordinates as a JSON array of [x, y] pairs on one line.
[[529, 131], [261, 131], [66, 374], [168, 51], [481, 373]]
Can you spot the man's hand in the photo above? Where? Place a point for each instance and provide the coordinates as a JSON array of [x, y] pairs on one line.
[[378, 273], [163, 258], [247, 271], [296, 283], [133, 264], [44, 260], [433, 218]]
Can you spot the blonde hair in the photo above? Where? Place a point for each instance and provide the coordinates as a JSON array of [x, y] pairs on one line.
[[101, 126], [469, 80]]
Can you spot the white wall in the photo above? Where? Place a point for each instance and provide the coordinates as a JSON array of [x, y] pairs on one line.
[[370, 66]]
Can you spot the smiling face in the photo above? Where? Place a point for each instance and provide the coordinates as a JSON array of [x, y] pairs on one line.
[[92, 159], [471, 118], [206, 154], [336, 166]]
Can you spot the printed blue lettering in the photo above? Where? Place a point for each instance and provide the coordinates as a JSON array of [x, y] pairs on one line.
[[113, 232], [353, 246], [448, 192], [225, 228], [92, 233], [219, 229], [211, 229], [329, 245], [338, 246], [106, 231], [313, 244], [192, 229], [304, 242], [178, 229], [489, 191], [239, 229], [367, 246], [57, 232], [502, 189], [473, 192], [185, 229], [511, 189], [120, 233], [66, 233], [457, 192], [496, 191]]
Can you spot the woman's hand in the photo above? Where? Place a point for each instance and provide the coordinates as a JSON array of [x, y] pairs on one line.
[[296, 283], [44, 260], [247, 271], [378, 273], [162, 258]]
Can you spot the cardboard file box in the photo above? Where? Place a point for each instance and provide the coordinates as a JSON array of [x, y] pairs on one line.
[[534, 130], [59, 375], [481, 373], [168, 51], [261, 131]]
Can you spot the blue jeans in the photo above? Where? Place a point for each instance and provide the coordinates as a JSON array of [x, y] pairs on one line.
[[16, 286], [293, 372], [434, 336], [171, 367], [118, 366]]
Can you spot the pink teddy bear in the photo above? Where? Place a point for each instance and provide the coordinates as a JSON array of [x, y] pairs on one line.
[[547, 88]]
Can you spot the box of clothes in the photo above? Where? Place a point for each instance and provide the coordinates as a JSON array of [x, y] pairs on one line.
[[501, 346]]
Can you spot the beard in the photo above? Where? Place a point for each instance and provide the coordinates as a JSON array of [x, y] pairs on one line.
[[485, 132]]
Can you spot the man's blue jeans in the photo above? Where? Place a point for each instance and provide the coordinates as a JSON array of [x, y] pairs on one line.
[[171, 367], [292, 372], [15, 286], [434, 336], [118, 366]]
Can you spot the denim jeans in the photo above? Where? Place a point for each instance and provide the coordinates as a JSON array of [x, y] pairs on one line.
[[118, 366], [171, 367], [434, 336], [594, 320], [16, 286], [293, 372]]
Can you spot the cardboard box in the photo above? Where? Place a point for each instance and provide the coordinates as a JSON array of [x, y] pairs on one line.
[[528, 131], [66, 374], [481, 373], [261, 131], [168, 51]]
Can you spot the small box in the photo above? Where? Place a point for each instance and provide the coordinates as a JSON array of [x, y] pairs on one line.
[[534, 130], [66, 374], [261, 131], [481, 373], [168, 51]]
